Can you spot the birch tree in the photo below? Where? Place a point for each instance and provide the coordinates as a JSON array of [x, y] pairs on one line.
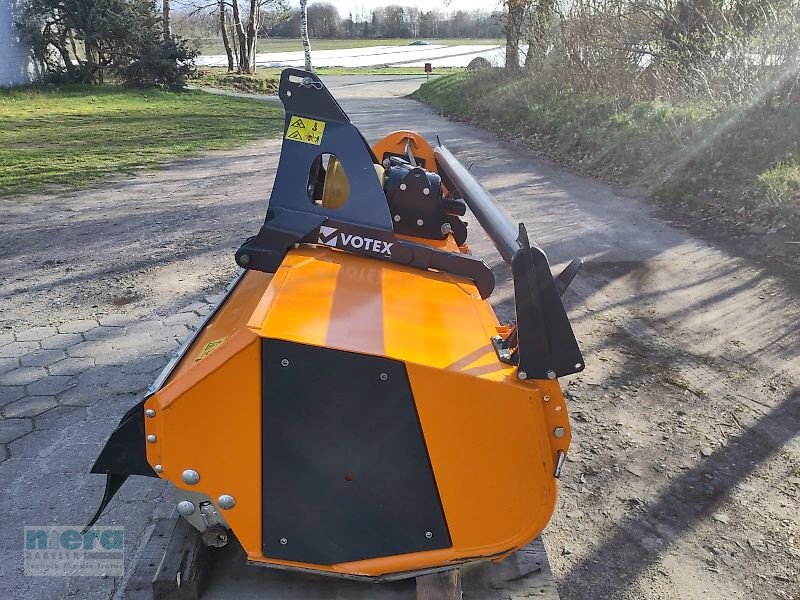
[[304, 33]]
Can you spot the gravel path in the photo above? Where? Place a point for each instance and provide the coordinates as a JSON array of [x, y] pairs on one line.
[[684, 472]]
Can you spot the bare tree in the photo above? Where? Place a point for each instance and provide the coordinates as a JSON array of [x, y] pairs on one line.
[[165, 20], [223, 28], [304, 33]]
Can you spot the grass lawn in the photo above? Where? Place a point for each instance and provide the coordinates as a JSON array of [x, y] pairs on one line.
[[74, 135], [214, 45]]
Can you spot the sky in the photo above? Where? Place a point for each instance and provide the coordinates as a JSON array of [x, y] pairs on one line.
[[345, 6]]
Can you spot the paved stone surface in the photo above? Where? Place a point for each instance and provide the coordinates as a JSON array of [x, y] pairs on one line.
[[62, 391]]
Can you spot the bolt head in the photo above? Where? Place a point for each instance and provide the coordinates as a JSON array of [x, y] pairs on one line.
[[384, 376], [284, 541], [150, 413], [226, 502], [185, 508], [426, 191], [429, 534], [151, 439], [446, 228], [285, 362], [397, 218], [559, 432], [190, 477], [158, 469], [551, 374], [420, 222], [403, 187], [244, 259], [522, 375]]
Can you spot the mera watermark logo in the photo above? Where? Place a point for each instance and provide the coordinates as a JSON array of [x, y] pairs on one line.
[[64, 551], [331, 236]]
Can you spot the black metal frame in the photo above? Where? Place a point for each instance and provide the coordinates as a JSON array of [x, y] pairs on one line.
[[294, 218]]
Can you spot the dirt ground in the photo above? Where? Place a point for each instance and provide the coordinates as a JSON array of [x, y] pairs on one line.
[[684, 473]]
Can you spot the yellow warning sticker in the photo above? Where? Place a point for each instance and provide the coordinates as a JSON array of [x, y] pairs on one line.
[[209, 348], [303, 129]]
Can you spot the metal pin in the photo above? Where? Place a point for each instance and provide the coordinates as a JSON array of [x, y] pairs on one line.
[[561, 456], [151, 439], [150, 413], [185, 508], [190, 476], [226, 502]]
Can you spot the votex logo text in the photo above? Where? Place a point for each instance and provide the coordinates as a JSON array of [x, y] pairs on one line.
[[333, 237]]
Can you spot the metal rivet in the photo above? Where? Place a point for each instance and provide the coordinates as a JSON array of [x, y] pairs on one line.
[[151, 439], [397, 218], [285, 362], [428, 534], [522, 375], [150, 413], [158, 469], [547, 398], [185, 508], [559, 432], [190, 476], [420, 222], [426, 191], [284, 541], [551, 374], [384, 376], [403, 186], [226, 502], [244, 259]]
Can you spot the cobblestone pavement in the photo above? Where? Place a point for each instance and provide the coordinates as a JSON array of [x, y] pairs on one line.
[[62, 390]]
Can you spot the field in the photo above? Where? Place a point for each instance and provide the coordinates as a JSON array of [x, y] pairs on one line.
[[214, 45], [74, 135]]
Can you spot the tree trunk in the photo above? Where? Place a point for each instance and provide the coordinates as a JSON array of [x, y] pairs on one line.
[[223, 28], [166, 20], [241, 38], [515, 15], [304, 33], [251, 36]]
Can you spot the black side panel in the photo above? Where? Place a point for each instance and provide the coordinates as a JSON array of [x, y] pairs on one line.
[[346, 475]]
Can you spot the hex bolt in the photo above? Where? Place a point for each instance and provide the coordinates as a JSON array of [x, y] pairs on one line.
[[185, 508], [284, 541], [150, 413], [151, 439], [446, 228], [226, 502], [190, 476], [522, 375], [429, 534], [559, 432], [397, 218], [420, 222], [426, 191], [285, 362], [403, 187], [551, 374], [384, 376]]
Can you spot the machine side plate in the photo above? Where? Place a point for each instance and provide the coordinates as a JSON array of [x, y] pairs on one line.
[[346, 474]]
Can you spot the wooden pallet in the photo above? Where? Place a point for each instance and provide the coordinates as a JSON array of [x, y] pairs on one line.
[[176, 565]]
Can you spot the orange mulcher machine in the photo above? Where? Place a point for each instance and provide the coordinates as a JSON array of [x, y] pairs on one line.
[[353, 407]]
